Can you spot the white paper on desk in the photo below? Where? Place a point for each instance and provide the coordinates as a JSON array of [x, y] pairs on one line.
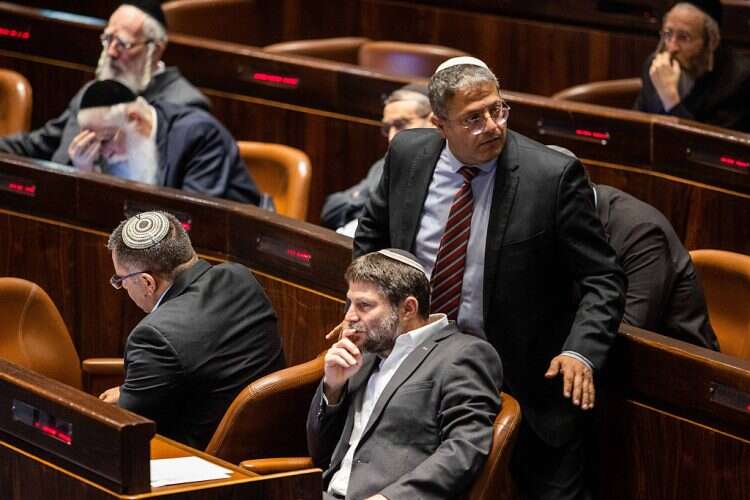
[[166, 471]]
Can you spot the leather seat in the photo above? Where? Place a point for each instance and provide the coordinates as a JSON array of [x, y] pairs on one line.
[[405, 59], [613, 93], [268, 417], [493, 481], [281, 171], [726, 283], [34, 335], [15, 102], [342, 49]]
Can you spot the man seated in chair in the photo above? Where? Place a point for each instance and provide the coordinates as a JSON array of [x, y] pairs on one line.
[[208, 332], [160, 143], [407, 402], [132, 45]]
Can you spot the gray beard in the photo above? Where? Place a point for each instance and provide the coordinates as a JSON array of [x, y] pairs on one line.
[[142, 162], [106, 70]]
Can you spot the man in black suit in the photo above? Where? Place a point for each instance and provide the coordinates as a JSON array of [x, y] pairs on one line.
[[538, 278], [407, 402], [209, 330]]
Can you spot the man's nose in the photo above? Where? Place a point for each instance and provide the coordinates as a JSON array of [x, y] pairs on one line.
[[351, 315]]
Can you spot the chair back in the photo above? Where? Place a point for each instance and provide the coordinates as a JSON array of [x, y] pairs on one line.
[[15, 103], [342, 49], [726, 283], [494, 479], [613, 93], [33, 334], [236, 21], [405, 59], [268, 418], [281, 171]]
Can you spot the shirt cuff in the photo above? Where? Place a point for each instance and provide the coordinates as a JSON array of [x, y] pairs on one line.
[[580, 357], [329, 405]]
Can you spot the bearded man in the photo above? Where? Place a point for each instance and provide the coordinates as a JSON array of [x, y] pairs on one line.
[[692, 75], [407, 402], [132, 46], [161, 143]]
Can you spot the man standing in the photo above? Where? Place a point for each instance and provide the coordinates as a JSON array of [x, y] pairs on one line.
[[406, 108], [208, 332], [407, 402], [692, 75], [160, 143], [507, 230], [132, 45]]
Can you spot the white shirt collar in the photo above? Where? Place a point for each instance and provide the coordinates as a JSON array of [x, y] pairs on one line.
[[416, 337]]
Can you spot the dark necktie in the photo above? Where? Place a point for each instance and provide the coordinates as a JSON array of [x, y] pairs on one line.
[[448, 272]]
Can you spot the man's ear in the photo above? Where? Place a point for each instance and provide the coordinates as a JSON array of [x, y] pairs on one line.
[[410, 307], [158, 51], [438, 123], [149, 280]]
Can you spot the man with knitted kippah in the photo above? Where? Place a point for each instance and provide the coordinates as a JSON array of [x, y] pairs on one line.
[[132, 46], [692, 74], [161, 143], [208, 331]]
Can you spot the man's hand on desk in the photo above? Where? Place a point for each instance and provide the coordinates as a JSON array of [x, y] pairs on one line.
[[578, 379], [377, 497], [111, 396]]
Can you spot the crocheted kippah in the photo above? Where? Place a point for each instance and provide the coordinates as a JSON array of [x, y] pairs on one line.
[[404, 257], [145, 230]]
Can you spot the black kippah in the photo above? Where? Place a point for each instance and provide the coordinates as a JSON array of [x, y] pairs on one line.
[[150, 7], [106, 93], [710, 7]]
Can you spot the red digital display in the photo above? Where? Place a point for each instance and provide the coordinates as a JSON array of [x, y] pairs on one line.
[[14, 33], [55, 433], [592, 133], [17, 185], [734, 162], [283, 250], [283, 81], [48, 424], [301, 255]]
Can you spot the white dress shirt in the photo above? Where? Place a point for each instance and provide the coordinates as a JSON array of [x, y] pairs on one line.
[[365, 400]]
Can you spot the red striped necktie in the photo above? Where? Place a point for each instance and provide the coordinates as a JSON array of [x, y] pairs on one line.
[[448, 272]]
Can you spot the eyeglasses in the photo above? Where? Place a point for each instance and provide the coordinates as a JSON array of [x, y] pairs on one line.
[[120, 44], [681, 37], [399, 124], [116, 281], [476, 122]]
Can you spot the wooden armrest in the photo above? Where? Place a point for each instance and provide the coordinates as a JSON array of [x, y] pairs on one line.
[[104, 366], [264, 466]]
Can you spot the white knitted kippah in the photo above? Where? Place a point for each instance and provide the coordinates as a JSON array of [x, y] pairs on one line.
[[145, 230], [404, 257], [455, 61]]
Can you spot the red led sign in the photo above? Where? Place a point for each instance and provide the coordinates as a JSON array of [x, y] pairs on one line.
[[301, 255], [280, 80], [284, 250], [592, 133], [17, 185], [54, 433], [14, 33], [733, 162]]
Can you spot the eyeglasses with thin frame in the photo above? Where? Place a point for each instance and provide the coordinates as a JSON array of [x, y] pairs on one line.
[[116, 281], [120, 44], [476, 122], [681, 37], [399, 124]]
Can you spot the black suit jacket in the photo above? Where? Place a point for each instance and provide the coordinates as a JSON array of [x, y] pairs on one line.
[[213, 333], [551, 281], [430, 430], [664, 294]]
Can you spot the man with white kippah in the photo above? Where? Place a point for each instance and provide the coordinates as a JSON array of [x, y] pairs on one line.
[[407, 402], [208, 331], [507, 231]]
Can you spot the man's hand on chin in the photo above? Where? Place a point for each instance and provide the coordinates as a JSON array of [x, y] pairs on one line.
[[665, 75], [578, 380]]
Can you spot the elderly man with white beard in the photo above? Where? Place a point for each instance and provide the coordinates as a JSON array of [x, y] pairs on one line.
[[161, 143], [132, 46]]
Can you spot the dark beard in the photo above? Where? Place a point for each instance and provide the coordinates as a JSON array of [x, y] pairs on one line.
[[381, 338]]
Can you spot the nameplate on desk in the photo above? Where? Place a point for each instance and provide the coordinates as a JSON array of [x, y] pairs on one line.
[[727, 162], [134, 208], [17, 185], [272, 79], [284, 251], [574, 132], [730, 397]]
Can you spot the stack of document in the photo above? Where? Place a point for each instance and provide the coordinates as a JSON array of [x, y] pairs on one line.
[[166, 471]]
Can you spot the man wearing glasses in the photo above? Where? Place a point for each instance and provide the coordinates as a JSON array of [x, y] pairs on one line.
[[406, 108], [507, 231], [208, 330], [132, 45], [692, 75]]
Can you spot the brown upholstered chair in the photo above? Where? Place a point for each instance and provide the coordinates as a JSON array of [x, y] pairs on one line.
[[268, 417], [404, 59], [33, 334], [493, 481], [613, 93], [15, 102], [227, 20], [342, 49], [281, 171], [726, 282]]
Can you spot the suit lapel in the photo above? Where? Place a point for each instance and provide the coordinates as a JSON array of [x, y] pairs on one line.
[[417, 186], [503, 197]]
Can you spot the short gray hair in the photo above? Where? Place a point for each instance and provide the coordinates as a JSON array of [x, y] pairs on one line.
[[421, 100], [162, 258], [446, 83], [395, 280]]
